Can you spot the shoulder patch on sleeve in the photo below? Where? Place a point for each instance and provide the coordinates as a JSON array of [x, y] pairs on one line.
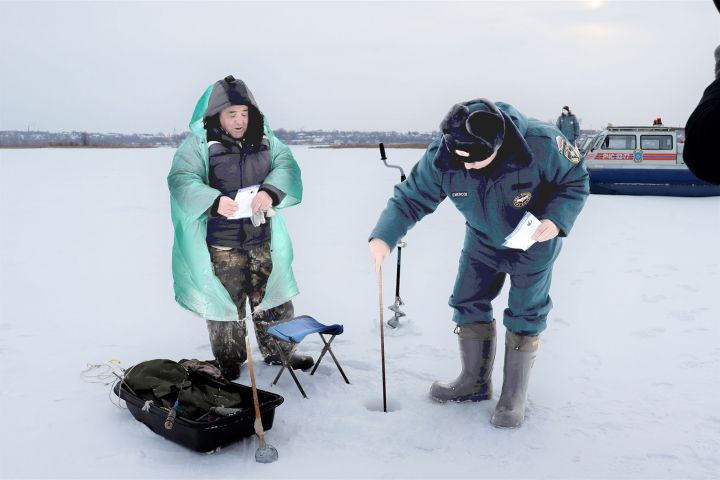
[[567, 149]]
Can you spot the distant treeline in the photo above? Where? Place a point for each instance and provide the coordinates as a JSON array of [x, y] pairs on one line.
[[35, 139], [335, 138], [355, 137], [31, 139]]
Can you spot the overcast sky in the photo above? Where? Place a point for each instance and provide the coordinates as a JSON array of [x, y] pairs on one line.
[[140, 67]]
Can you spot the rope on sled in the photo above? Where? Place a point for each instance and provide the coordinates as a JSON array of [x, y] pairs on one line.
[[111, 373], [104, 373], [108, 373]]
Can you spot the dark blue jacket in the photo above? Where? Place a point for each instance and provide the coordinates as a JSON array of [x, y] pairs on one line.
[[232, 167], [535, 170]]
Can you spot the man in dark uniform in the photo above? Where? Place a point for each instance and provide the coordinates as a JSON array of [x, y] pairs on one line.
[[568, 124], [495, 164]]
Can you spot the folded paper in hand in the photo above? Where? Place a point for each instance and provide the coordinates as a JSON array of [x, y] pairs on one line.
[[521, 237], [244, 199]]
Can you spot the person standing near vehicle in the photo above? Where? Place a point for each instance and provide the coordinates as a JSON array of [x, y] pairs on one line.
[[495, 165], [568, 124], [220, 262]]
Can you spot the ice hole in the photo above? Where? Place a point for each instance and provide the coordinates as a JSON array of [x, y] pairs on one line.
[[376, 405]]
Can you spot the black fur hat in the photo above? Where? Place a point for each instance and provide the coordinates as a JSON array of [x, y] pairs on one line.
[[473, 130]]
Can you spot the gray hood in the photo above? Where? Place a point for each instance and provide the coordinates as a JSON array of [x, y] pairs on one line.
[[227, 92]]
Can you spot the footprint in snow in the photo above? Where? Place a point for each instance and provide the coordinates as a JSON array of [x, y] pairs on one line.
[[662, 384], [653, 298], [661, 456], [696, 330], [648, 332], [357, 365], [592, 360], [689, 288], [417, 375], [683, 316]]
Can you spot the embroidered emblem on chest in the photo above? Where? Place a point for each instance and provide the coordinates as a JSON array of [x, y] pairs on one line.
[[458, 194], [522, 199]]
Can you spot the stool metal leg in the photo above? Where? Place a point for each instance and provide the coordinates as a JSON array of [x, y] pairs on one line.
[[327, 348], [297, 382], [324, 351], [286, 364], [282, 359]]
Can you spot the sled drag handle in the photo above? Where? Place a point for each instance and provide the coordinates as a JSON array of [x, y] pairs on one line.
[[258, 421], [382, 152], [382, 339]]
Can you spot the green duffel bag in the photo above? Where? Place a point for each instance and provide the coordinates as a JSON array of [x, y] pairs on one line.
[[197, 387]]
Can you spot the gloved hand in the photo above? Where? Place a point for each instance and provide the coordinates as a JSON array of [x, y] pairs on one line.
[[378, 251], [258, 218]]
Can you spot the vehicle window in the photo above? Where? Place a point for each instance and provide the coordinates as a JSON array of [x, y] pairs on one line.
[[656, 142], [619, 142], [597, 143]]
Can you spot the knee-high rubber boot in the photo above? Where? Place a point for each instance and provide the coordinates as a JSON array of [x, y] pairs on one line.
[[519, 358], [477, 354], [227, 340]]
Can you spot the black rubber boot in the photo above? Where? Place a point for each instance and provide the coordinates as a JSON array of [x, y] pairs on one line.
[[520, 354], [477, 355], [227, 340], [297, 361], [229, 371]]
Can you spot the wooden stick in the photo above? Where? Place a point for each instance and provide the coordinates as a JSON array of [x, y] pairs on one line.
[[382, 339], [258, 421]]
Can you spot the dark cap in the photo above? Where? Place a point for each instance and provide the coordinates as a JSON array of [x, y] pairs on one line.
[[473, 130]]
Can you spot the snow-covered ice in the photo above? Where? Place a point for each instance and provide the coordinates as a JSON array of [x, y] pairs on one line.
[[625, 385]]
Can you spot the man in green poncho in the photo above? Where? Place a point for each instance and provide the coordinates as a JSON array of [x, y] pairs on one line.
[[222, 254]]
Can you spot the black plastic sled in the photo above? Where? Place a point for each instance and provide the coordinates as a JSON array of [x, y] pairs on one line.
[[205, 436]]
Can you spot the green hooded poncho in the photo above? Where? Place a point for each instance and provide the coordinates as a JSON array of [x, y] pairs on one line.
[[196, 286]]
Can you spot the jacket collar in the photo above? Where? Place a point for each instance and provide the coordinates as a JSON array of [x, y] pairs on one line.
[[219, 135]]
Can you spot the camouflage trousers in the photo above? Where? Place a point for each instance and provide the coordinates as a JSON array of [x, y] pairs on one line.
[[244, 273]]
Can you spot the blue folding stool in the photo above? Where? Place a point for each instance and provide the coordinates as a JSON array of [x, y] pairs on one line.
[[294, 331]]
